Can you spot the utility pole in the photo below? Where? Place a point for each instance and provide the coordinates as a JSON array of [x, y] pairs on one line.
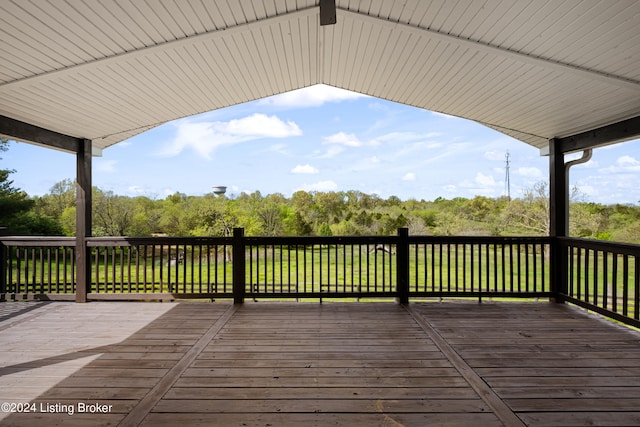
[[507, 179]]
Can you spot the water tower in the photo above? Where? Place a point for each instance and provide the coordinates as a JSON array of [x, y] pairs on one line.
[[219, 190]]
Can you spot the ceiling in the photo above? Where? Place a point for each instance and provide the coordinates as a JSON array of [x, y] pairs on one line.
[[108, 70]]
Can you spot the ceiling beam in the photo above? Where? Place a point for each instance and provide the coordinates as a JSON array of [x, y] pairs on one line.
[[616, 132], [327, 12], [21, 131]]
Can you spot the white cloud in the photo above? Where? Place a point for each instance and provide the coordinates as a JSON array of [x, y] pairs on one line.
[[312, 96], [485, 180], [341, 138], [205, 137], [482, 184], [308, 169], [627, 161], [530, 172], [624, 164], [259, 125], [348, 140], [409, 176], [319, 186], [588, 190]]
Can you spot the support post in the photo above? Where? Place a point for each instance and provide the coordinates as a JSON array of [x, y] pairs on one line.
[[559, 218], [402, 266], [83, 220], [239, 266], [3, 270]]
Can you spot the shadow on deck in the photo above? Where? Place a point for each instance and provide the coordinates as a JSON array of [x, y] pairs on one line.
[[261, 364]]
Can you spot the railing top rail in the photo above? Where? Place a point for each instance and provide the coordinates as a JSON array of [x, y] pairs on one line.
[[601, 245], [140, 241], [320, 240], [279, 240], [38, 241], [480, 239]]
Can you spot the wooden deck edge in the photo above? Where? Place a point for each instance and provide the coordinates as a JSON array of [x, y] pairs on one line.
[[497, 405]]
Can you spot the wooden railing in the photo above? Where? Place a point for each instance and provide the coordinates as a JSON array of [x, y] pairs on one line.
[[515, 267], [600, 276], [37, 267], [603, 277], [240, 267]]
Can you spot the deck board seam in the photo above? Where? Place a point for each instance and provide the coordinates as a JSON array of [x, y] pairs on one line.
[[149, 401], [500, 409]]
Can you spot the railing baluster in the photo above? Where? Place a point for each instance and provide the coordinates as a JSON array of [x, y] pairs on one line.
[[288, 267], [455, 267], [464, 266], [344, 266], [579, 273], [472, 266], [440, 262], [595, 276], [625, 282], [605, 279], [487, 268], [587, 252], [535, 267], [335, 268], [495, 267], [636, 286], [113, 269], [452, 285], [614, 280]]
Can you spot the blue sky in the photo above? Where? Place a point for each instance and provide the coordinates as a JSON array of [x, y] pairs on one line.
[[325, 139]]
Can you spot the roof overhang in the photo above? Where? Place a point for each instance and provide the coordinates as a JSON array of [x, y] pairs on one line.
[[106, 71]]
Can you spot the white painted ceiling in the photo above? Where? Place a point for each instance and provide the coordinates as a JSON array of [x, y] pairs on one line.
[[107, 70]]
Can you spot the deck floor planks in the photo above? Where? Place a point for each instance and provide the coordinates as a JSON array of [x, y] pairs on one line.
[[552, 364], [319, 364], [330, 359], [123, 341]]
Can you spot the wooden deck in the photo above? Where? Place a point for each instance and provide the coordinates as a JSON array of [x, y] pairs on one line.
[[369, 364]]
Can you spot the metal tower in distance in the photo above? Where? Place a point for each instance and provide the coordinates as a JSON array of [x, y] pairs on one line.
[[507, 179]]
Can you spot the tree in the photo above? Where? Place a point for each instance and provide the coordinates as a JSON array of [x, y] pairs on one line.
[[271, 213], [529, 215], [62, 195], [448, 224], [16, 206], [113, 215], [12, 200]]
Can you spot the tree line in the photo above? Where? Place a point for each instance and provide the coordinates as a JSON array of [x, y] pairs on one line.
[[326, 214], [306, 213]]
